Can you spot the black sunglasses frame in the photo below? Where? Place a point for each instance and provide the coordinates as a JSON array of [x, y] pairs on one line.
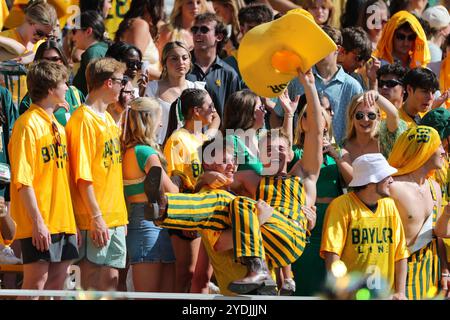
[[370, 115]]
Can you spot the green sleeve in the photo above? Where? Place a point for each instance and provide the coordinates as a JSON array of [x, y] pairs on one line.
[[10, 113], [142, 154], [24, 104], [387, 139]]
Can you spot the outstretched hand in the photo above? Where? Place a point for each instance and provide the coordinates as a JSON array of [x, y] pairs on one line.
[[288, 105]]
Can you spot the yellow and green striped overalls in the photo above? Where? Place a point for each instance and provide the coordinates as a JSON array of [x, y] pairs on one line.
[[281, 240], [423, 265]]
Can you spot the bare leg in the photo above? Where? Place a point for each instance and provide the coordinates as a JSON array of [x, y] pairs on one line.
[[186, 253], [35, 276], [168, 277], [108, 279], [203, 272], [147, 277], [89, 274]]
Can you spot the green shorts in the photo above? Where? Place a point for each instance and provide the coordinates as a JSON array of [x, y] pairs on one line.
[[112, 255]]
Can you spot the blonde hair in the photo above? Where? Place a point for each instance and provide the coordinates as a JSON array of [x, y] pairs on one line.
[[299, 135], [99, 70], [351, 111], [176, 16], [41, 12], [165, 54], [140, 125]]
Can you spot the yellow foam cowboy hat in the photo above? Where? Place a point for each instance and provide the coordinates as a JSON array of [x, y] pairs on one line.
[[270, 54]]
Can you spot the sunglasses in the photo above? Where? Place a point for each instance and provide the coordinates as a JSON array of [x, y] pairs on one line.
[[202, 29], [134, 64], [131, 92], [41, 34], [388, 83], [361, 57], [54, 59], [56, 134], [122, 81], [402, 36], [360, 115]]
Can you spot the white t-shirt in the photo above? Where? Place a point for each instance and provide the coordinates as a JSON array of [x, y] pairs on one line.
[[152, 91]]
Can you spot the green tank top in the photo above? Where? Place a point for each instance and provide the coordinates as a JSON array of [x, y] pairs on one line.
[[328, 184], [246, 160], [136, 186]]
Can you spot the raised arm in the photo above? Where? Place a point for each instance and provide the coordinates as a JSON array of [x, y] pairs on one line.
[[289, 108], [312, 155], [392, 117]]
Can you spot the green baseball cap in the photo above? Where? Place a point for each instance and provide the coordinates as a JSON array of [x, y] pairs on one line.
[[438, 119]]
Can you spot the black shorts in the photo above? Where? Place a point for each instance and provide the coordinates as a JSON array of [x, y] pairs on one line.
[[63, 247], [179, 234]]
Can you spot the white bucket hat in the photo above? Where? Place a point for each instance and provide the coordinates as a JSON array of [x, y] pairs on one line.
[[370, 168], [437, 16]]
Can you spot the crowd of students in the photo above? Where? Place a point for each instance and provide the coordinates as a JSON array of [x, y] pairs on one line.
[[143, 153]]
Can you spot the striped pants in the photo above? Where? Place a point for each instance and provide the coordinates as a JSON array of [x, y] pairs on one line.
[[280, 241], [423, 273]]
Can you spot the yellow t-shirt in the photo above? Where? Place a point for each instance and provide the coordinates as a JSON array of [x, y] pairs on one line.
[[225, 268], [181, 152], [94, 146], [365, 240], [19, 80], [38, 162]]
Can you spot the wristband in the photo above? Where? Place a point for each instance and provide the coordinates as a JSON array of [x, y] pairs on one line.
[[445, 275], [289, 115], [97, 215]]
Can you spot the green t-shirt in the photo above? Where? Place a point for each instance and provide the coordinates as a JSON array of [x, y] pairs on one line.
[[97, 50], [10, 114], [74, 98]]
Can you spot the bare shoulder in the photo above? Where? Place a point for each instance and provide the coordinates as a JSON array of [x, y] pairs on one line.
[[139, 24]]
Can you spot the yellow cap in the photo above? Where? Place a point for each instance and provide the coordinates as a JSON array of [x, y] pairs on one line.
[[270, 54]]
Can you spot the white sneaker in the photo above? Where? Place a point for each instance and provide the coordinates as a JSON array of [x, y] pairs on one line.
[[7, 256], [213, 289], [288, 287]]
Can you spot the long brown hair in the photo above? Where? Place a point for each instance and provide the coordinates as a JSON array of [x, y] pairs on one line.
[[240, 110]]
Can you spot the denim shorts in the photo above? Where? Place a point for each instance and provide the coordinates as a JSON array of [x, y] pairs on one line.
[[145, 241]]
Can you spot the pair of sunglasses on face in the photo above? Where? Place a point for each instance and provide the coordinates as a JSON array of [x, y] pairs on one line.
[[402, 36], [202, 29], [135, 65], [370, 115], [388, 83]]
